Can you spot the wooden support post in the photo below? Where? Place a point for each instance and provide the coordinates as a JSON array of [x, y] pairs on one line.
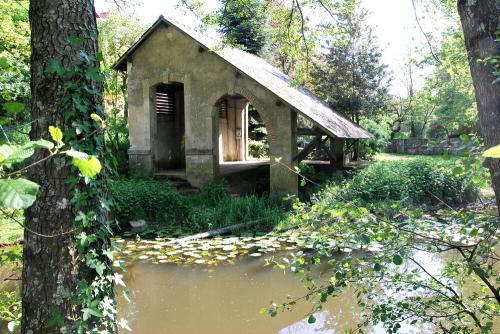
[[308, 149], [337, 150]]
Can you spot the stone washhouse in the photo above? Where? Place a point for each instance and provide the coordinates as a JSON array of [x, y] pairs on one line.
[[188, 99]]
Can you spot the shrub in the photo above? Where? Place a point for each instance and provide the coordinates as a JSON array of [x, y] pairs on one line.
[[214, 192], [233, 211], [258, 149], [148, 199], [416, 181], [379, 141], [212, 208]]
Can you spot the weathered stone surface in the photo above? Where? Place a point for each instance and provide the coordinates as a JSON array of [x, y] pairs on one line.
[[169, 56]]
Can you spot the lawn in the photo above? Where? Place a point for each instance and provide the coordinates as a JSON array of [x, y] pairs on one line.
[[395, 156]]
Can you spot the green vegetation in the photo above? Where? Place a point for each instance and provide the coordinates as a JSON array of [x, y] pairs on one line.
[[10, 229], [384, 210], [413, 181], [213, 207]]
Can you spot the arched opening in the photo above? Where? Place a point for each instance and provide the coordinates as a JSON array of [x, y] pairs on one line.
[[169, 129], [243, 148], [258, 143]]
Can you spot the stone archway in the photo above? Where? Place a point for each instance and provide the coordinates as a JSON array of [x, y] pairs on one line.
[[230, 142]]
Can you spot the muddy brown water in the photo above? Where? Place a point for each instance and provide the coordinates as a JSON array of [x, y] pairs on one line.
[[226, 299]]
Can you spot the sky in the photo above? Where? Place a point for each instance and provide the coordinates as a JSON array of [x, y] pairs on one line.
[[393, 22]]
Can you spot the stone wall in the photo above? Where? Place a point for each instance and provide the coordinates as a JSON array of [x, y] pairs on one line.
[[424, 146]]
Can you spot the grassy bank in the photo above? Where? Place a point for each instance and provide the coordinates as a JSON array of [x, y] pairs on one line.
[[172, 213]]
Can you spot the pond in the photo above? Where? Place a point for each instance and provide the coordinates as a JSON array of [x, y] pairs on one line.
[[224, 296]]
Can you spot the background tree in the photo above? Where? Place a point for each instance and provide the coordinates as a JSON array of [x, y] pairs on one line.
[[480, 23], [350, 76], [119, 29], [242, 23], [14, 70]]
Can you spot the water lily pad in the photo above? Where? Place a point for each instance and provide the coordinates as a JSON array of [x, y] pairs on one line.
[[199, 261], [256, 254]]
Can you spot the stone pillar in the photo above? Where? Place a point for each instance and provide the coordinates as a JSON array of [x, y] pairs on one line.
[[283, 147]]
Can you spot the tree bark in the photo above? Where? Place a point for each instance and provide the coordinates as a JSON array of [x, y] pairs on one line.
[[51, 265], [480, 22]]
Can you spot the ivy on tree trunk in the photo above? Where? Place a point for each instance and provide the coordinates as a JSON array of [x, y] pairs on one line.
[[62, 32]]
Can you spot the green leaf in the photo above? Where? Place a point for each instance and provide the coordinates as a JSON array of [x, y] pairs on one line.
[[11, 154], [377, 267], [11, 326], [311, 319], [4, 63], [76, 40], [457, 171], [493, 152], [13, 107], [88, 167], [17, 193], [303, 182], [88, 312], [364, 238], [56, 135], [76, 154], [54, 66], [96, 118], [464, 138], [397, 260], [56, 319]]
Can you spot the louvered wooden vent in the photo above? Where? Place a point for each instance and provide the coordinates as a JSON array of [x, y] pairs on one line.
[[165, 104], [223, 109]]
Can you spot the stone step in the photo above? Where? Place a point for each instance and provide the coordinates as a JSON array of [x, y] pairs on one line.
[[183, 186]]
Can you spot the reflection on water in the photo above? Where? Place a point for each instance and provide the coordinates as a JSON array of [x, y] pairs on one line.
[[226, 299]]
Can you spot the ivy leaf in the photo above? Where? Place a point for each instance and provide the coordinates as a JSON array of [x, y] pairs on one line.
[[311, 319], [13, 107], [56, 319], [493, 152], [397, 260], [17, 193], [365, 239], [56, 135], [54, 66], [124, 324], [88, 312], [76, 40], [88, 167], [11, 326]]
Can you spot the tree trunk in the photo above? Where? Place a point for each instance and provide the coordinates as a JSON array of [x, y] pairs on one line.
[[480, 22], [51, 265]]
